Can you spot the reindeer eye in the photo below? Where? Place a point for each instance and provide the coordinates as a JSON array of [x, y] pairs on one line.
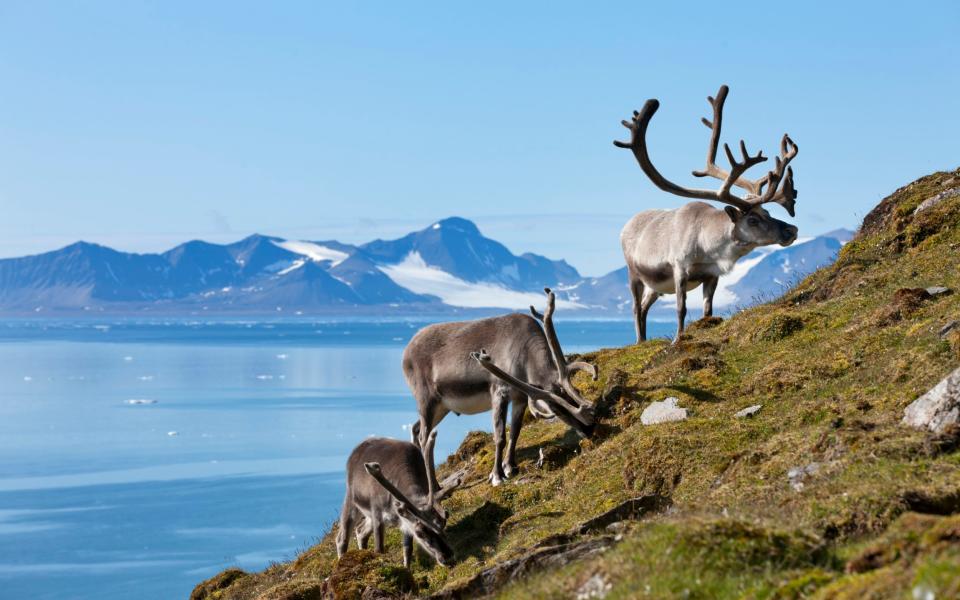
[[753, 221]]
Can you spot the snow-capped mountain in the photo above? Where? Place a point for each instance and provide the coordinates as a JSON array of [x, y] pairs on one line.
[[450, 265]]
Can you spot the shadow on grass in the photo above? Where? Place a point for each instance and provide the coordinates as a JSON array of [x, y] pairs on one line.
[[477, 530]]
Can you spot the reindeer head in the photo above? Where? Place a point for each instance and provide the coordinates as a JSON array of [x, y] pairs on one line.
[[752, 224], [560, 398], [421, 520]]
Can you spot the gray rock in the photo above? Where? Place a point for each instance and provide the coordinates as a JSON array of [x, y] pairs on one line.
[[937, 199], [749, 411], [938, 290], [946, 329], [598, 586], [797, 475], [938, 408], [663, 412]]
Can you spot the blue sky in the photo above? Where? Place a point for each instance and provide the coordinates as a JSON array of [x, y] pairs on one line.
[[141, 125]]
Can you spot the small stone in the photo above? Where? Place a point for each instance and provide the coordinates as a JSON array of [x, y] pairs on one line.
[[663, 412], [616, 527], [749, 411], [946, 329], [596, 587], [939, 408], [938, 290], [796, 475]]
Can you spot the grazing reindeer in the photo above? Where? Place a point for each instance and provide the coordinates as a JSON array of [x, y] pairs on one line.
[[394, 482], [674, 251], [532, 372]]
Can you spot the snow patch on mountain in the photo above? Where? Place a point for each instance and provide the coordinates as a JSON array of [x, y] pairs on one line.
[[314, 252], [417, 276]]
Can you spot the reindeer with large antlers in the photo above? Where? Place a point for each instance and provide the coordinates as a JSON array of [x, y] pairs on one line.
[[394, 482], [674, 251], [530, 371]]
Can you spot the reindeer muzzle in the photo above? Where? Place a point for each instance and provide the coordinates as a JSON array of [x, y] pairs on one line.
[[788, 235]]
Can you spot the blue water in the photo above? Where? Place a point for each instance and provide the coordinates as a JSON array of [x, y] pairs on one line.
[[232, 457]]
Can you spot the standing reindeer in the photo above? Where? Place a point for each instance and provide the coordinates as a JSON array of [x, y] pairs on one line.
[[533, 372], [674, 251], [394, 482]]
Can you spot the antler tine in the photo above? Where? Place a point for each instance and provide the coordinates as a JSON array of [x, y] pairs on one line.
[[638, 144], [715, 126], [739, 168], [428, 462], [786, 195], [553, 342], [712, 169]]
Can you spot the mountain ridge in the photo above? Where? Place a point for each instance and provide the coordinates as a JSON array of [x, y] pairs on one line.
[[446, 267]]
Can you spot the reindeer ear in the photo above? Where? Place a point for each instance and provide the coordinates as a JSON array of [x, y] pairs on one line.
[[733, 213]]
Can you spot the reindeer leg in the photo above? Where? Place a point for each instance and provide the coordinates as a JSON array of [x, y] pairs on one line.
[[519, 409], [680, 284], [363, 534], [346, 526], [639, 317], [501, 398], [649, 297], [709, 288], [407, 550], [377, 527]]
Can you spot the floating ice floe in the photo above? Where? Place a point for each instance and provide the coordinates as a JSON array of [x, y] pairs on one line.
[[128, 358], [137, 401], [282, 356], [264, 377], [173, 433], [145, 378], [27, 378]]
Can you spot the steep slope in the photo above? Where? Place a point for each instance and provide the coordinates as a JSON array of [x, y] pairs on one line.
[[821, 494]]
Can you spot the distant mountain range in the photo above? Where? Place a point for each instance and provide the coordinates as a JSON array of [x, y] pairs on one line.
[[448, 267]]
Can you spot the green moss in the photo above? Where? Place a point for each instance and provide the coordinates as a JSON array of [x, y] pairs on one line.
[[215, 587]]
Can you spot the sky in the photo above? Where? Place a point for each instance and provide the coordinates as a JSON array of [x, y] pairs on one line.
[[140, 125]]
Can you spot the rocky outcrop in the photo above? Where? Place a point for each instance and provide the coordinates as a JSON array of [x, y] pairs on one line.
[[937, 409]]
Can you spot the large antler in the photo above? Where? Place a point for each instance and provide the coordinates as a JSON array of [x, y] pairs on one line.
[[785, 197], [373, 468], [532, 391], [564, 370]]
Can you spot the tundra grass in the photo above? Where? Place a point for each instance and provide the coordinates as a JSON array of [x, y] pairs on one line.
[[821, 494]]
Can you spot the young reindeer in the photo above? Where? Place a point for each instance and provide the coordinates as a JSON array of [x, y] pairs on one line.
[[533, 373], [394, 482], [674, 251]]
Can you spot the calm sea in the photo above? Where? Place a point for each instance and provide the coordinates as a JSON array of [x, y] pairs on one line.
[[140, 457]]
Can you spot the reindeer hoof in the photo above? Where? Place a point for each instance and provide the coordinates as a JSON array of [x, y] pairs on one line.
[[509, 470], [495, 479]]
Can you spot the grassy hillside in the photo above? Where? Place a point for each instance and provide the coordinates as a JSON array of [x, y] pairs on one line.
[[821, 494]]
